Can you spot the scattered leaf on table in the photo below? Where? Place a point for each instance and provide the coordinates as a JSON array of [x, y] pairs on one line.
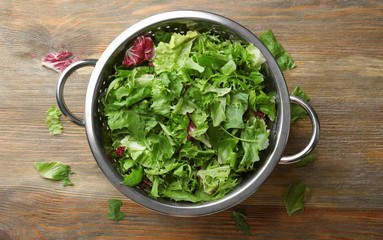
[[114, 212], [53, 121], [59, 61], [308, 159], [55, 171], [296, 193], [283, 58], [296, 110]]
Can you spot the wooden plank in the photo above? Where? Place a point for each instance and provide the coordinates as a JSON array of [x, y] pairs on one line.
[[339, 56]]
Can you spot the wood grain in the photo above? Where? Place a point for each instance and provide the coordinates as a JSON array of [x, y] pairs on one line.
[[337, 46]]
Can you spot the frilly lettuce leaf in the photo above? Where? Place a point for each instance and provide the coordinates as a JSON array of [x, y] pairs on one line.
[[54, 171], [53, 121]]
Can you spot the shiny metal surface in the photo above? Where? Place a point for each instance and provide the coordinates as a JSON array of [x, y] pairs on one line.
[[314, 137], [60, 89]]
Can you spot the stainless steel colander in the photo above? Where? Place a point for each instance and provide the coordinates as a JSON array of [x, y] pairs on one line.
[[178, 21]]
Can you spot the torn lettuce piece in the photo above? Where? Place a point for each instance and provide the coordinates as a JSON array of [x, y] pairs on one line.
[[310, 158], [283, 58], [256, 56], [262, 102], [212, 177], [114, 210], [55, 171], [295, 194], [257, 139], [235, 110], [296, 110], [53, 121], [133, 178], [59, 61]]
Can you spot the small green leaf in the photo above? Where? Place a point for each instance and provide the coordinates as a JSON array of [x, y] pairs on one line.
[[229, 67], [54, 171], [239, 217], [114, 212], [53, 121], [308, 159], [217, 111], [134, 178], [235, 110], [296, 110], [283, 58], [296, 193]]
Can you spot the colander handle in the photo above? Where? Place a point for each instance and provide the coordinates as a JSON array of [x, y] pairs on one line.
[[60, 89], [314, 137]]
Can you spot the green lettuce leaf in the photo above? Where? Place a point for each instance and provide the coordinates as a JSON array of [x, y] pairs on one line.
[[55, 171], [283, 58], [53, 121], [296, 193], [217, 111], [310, 158], [256, 133], [212, 177], [256, 57], [235, 110], [185, 196], [114, 212], [134, 177], [261, 102], [175, 54], [227, 151], [296, 110]]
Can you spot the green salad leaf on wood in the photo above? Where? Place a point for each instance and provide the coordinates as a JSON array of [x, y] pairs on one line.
[[189, 121], [114, 212], [55, 171], [284, 60], [295, 194], [296, 110], [53, 121]]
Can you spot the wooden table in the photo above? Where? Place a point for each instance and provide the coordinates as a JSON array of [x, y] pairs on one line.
[[337, 46]]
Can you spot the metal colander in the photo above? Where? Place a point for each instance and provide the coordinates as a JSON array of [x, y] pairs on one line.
[[180, 21]]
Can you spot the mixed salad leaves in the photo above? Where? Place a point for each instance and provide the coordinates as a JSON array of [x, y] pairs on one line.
[[188, 119]]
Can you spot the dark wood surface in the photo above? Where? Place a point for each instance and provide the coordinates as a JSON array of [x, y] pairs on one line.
[[337, 46]]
